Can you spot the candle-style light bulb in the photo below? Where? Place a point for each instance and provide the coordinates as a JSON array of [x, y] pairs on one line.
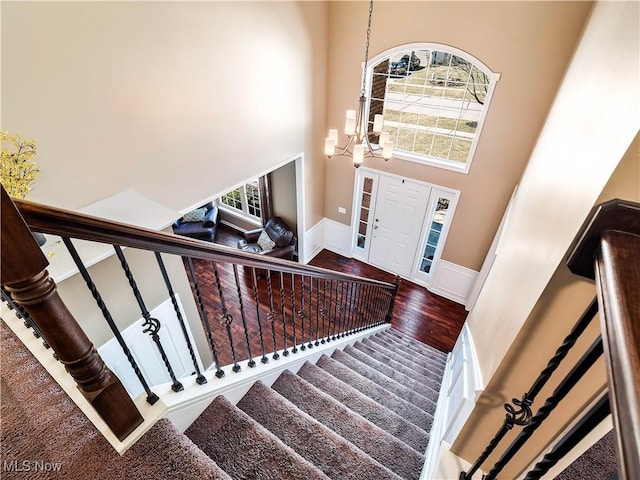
[[350, 124], [377, 123]]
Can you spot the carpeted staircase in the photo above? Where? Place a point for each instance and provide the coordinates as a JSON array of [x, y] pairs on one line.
[[363, 413]]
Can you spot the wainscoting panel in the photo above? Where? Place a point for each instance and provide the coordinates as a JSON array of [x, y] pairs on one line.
[[464, 385], [461, 386], [337, 237], [452, 281], [313, 242]]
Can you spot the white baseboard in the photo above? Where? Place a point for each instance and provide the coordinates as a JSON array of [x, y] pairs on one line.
[[452, 281]]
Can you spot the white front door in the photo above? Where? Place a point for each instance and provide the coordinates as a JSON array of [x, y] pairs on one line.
[[398, 218]]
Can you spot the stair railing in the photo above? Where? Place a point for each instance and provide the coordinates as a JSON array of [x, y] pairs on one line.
[[607, 250], [303, 307]]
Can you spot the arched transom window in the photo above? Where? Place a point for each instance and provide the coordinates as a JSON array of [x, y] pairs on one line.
[[434, 99]]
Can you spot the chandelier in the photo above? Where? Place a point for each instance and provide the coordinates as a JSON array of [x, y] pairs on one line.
[[356, 125]]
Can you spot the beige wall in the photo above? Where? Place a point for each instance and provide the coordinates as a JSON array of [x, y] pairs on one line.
[[178, 101], [590, 127], [283, 194], [529, 43], [587, 153]]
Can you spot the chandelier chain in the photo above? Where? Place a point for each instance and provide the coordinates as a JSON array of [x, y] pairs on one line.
[[366, 51]]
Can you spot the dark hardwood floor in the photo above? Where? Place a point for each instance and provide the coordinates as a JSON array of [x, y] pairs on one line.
[[418, 313]]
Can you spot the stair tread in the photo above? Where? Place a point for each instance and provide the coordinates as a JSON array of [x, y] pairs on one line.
[[420, 401], [410, 351], [397, 343], [244, 448], [377, 443], [385, 357], [392, 332], [374, 391], [429, 390], [405, 355], [356, 401], [337, 458], [409, 358], [427, 369]]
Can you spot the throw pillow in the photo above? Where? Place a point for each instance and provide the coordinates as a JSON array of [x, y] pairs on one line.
[[196, 215], [265, 241]]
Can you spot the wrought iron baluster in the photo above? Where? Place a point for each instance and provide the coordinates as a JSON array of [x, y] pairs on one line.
[[293, 313], [369, 303], [204, 318], [323, 312], [302, 314], [200, 378], [310, 345], [252, 362], [271, 316], [593, 418], [351, 310], [566, 385], [344, 310], [150, 325], [385, 299], [285, 352], [151, 397], [513, 417], [359, 307], [392, 300], [256, 299], [383, 304], [334, 301], [226, 319]]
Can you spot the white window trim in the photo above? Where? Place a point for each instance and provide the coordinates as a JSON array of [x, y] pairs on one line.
[[244, 214], [494, 77]]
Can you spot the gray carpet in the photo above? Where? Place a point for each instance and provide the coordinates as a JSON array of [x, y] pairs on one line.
[[351, 416], [599, 462], [46, 436]]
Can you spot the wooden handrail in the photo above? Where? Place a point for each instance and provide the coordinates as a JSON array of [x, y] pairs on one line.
[[57, 221], [608, 250], [618, 282], [24, 275]]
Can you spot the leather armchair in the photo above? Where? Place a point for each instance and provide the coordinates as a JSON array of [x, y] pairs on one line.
[[280, 234], [204, 230]]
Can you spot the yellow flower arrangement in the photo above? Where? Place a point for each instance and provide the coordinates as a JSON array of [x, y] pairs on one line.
[[18, 169]]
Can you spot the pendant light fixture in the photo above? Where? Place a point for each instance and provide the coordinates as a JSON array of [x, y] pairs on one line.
[[356, 127]]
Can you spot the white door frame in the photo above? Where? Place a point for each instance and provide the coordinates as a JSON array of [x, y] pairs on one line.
[[355, 214]]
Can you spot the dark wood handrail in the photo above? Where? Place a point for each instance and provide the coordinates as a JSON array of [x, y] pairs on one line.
[[57, 221], [607, 249], [24, 275], [618, 281]]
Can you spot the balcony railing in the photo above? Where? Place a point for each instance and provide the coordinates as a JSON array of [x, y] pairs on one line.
[[263, 308]]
